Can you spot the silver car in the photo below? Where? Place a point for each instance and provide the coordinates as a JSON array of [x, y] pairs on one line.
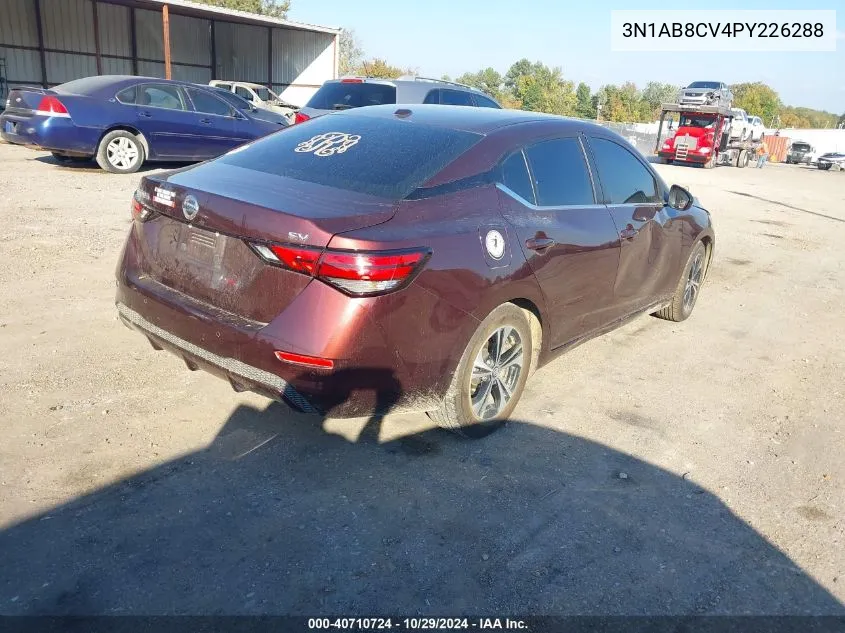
[[356, 92], [706, 93]]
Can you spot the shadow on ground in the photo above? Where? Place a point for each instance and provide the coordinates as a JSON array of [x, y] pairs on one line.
[[91, 165], [279, 516]]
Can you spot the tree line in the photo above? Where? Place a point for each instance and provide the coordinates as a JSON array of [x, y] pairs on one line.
[[534, 86]]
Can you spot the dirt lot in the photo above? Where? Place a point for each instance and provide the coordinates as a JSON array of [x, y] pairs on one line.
[[662, 469]]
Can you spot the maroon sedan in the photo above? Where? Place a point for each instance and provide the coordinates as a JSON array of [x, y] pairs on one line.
[[425, 257]]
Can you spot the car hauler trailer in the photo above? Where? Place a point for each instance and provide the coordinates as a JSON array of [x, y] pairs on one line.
[[703, 138]]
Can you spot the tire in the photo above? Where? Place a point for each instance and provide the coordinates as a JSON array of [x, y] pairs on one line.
[[680, 309], [825, 167], [742, 159], [457, 413], [120, 152]]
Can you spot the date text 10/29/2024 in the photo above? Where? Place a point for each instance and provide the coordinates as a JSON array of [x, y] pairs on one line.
[[417, 624]]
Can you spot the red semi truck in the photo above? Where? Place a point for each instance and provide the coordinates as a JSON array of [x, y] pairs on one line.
[[702, 138]]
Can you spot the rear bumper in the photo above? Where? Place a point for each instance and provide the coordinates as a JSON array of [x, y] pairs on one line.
[[57, 134], [241, 377], [390, 353]]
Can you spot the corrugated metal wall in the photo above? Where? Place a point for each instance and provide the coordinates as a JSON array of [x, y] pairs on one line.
[[242, 51], [17, 23]]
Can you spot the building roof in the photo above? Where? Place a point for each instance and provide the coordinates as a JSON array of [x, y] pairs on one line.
[[196, 9]]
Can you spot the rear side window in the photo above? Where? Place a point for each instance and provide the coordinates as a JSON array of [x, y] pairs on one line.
[[127, 95], [515, 176], [624, 178], [208, 104], [433, 96], [560, 173], [342, 96], [456, 97], [380, 157], [243, 93], [483, 102]]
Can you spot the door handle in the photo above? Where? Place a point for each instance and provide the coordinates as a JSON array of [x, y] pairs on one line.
[[628, 233], [146, 115], [539, 243], [206, 121]]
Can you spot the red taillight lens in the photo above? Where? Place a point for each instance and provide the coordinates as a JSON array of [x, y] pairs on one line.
[[51, 105], [298, 259], [359, 273], [352, 81], [306, 361], [300, 118]]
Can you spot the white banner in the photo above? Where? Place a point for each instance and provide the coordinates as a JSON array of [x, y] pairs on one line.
[[723, 30]]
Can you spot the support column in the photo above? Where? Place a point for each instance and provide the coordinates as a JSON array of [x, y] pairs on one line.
[[165, 25], [97, 38], [40, 33]]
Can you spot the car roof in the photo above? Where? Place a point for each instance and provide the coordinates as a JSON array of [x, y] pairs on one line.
[[469, 119]]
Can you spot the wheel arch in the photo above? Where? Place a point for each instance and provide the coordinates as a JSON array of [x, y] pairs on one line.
[[537, 324]]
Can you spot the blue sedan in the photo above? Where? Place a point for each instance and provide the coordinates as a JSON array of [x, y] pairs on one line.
[[123, 121]]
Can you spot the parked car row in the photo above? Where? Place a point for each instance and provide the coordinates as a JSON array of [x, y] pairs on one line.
[[124, 121]]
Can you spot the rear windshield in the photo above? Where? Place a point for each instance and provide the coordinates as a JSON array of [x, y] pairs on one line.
[[342, 96], [85, 86], [381, 157], [801, 147]]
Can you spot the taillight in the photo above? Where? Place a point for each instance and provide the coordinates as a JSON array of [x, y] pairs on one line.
[[51, 106], [140, 210], [300, 118], [357, 273], [352, 80]]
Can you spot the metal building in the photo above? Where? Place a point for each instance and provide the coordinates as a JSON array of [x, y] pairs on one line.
[[48, 42]]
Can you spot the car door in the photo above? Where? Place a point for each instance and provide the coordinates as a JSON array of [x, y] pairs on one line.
[[569, 240], [214, 125], [166, 120], [650, 237]]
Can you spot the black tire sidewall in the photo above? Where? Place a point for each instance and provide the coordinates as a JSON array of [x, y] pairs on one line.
[[102, 153], [504, 315]]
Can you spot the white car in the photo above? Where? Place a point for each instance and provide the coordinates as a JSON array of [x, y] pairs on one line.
[[756, 129], [740, 125], [259, 96]]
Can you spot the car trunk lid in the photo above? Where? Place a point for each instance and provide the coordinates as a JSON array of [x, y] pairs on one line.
[[24, 101], [208, 257]]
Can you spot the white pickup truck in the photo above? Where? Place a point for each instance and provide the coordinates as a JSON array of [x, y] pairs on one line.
[[259, 96]]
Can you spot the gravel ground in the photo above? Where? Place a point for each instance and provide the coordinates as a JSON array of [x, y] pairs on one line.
[[661, 469]]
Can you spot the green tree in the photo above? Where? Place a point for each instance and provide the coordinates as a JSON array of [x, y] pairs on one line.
[[445, 78], [271, 8], [655, 94], [488, 81], [350, 53], [380, 68], [584, 106], [539, 88], [757, 99]]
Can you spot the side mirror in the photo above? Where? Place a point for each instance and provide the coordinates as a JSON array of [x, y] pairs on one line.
[[679, 198]]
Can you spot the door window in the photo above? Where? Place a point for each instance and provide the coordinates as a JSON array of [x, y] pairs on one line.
[[208, 103], [624, 178], [433, 96], [485, 102], [160, 96], [560, 173]]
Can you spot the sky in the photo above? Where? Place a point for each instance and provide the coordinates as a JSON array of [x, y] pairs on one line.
[[454, 36]]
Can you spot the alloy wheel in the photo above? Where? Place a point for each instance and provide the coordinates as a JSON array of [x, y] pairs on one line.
[[696, 272], [495, 372], [122, 152]]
